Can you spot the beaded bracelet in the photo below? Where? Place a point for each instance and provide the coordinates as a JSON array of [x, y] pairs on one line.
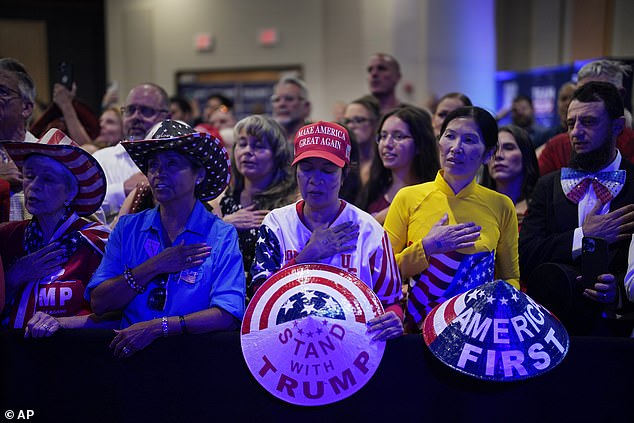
[[129, 278], [183, 325], [164, 327]]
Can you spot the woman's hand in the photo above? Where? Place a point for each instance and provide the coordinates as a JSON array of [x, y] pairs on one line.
[[246, 218], [41, 325], [605, 290], [178, 257], [386, 326], [443, 238], [136, 337], [326, 242], [36, 265]]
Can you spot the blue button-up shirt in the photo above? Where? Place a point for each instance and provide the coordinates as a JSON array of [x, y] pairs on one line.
[[218, 282]]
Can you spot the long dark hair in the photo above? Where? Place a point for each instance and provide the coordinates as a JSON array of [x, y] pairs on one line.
[[425, 164], [530, 166]]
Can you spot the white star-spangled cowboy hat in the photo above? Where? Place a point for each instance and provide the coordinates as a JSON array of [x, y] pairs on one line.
[[200, 147], [55, 144]]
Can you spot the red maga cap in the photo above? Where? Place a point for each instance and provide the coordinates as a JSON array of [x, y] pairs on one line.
[[327, 140]]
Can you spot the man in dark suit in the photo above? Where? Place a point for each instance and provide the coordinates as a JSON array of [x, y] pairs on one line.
[[592, 198]]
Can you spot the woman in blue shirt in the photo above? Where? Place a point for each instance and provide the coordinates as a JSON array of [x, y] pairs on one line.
[[175, 268]]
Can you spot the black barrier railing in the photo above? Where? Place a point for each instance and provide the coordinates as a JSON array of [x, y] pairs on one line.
[[73, 377]]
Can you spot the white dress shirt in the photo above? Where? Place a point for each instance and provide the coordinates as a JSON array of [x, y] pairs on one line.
[[118, 167]]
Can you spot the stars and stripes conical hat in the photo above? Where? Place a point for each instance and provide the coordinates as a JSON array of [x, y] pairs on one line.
[[57, 145], [200, 147]]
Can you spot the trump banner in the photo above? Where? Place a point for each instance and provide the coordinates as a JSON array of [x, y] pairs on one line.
[[495, 332], [304, 334]]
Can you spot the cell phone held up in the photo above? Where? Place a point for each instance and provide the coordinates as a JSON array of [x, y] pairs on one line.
[[594, 260], [65, 74]]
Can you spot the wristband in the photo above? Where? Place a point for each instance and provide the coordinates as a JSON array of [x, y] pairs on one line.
[[131, 281], [164, 327], [183, 324]]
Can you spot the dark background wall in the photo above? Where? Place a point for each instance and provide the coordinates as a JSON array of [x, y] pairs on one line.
[[74, 32]]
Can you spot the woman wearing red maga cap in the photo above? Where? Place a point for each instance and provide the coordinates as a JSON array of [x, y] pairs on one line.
[[322, 228], [176, 268], [49, 259]]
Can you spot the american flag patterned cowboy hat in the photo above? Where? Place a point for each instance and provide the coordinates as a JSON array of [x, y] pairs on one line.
[[57, 145], [200, 147]]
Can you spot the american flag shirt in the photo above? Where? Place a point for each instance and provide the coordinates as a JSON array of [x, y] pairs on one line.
[[283, 234]]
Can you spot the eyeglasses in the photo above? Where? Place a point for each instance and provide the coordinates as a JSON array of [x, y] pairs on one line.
[[288, 98], [397, 137], [145, 111], [6, 92], [157, 298], [359, 120]]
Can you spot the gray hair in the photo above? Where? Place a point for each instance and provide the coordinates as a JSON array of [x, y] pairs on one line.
[[290, 79], [25, 82], [610, 71]]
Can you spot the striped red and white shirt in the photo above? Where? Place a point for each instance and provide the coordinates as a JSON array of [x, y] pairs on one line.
[[284, 234]]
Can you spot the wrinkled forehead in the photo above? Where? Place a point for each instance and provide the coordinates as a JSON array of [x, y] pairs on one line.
[[591, 108], [8, 79], [465, 126], [40, 164]]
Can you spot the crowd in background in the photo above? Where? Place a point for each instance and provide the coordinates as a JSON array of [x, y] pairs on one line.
[[133, 204]]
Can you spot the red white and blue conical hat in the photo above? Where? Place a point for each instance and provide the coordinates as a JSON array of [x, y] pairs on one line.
[[495, 332]]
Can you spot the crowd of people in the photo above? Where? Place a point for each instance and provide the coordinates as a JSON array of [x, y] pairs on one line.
[[161, 223]]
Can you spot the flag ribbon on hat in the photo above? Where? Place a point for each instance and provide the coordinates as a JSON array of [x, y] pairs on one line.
[[607, 185], [448, 274]]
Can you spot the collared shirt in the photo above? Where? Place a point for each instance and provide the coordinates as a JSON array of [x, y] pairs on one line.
[[218, 282], [118, 167], [587, 202]]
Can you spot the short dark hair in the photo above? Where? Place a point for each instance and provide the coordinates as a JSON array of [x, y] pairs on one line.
[[224, 100], [523, 97], [466, 101], [595, 91], [182, 102], [371, 104], [486, 123], [388, 58]]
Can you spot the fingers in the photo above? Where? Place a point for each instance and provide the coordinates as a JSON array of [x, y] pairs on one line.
[[121, 345], [606, 278], [197, 259], [48, 248], [628, 209], [385, 326], [41, 325], [606, 297]]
